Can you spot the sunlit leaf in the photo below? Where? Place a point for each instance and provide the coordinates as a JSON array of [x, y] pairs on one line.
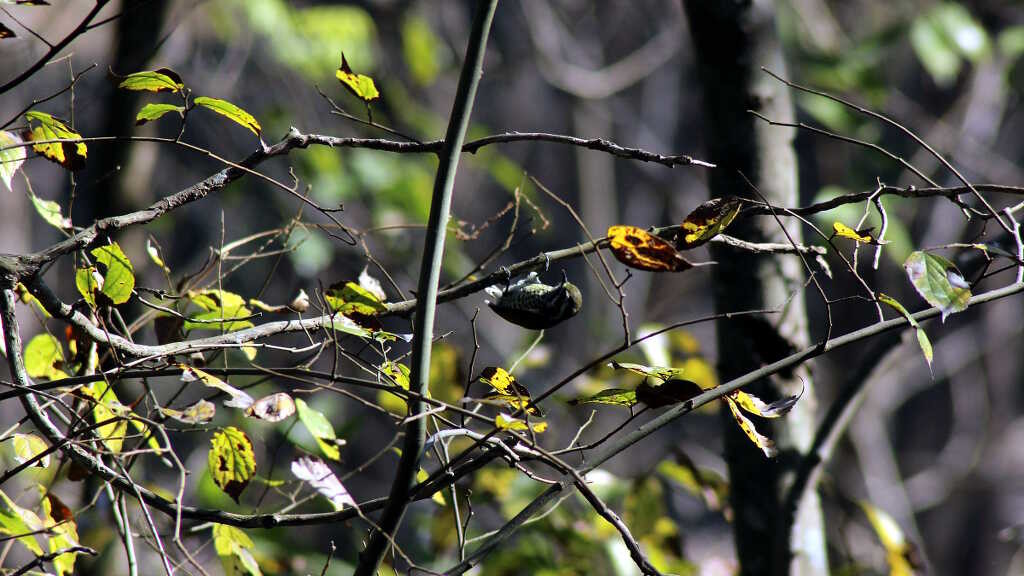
[[922, 337], [223, 310], [44, 357], [162, 80], [199, 413], [239, 399], [387, 400], [938, 281], [506, 390], [755, 405], [763, 442], [232, 546], [118, 275], [612, 396], [660, 372], [70, 155], [231, 460], [21, 522], [707, 221], [88, 281], [320, 428], [59, 519], [351, 298], [507, 422], [322, 479], [154, 254], [273, 408], [642, 250], [844, 231], [12, 158], [106, 407], [50, 212], [152, 112], [28, 446], [229, 110], [898, 551], [360, 85]]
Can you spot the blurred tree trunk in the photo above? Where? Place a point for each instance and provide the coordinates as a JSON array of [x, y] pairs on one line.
[[732, 40], [137, 40]]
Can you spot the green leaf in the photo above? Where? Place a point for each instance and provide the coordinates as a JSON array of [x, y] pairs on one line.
[[613, 396], [12, 158], [28, 446], [962, 30], [108, 408], [85, 281], [360, 85], [222, 310], [152, 112], [232, 546], [506, 422], [218, 320], [422, 50], [320, 428], [119, 277], [163, 80], [922, 337], [354, 299], [388, 400], [50, 211], [232, 461], [225, 108], [659, 372], [1011, 42], [70, 155], [938, 281], [43, 356], [15, 521]]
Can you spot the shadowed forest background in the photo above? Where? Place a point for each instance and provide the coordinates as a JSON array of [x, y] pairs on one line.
[[936, 448]]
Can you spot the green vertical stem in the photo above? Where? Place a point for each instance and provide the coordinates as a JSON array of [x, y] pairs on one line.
[[426, 295]]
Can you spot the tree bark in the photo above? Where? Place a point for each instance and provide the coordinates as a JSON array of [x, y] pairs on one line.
[[732, 40]]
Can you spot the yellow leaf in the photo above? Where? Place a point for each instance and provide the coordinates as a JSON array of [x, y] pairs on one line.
[[898, 551], [360, 85], [763, 442], [232, 461], [844, 231], [506, 422], [642, 250], [707, 221]]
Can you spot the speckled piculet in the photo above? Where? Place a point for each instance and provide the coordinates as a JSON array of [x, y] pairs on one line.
[[532, 304]]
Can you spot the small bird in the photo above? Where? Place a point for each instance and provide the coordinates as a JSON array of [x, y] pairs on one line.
[[532, 304]]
